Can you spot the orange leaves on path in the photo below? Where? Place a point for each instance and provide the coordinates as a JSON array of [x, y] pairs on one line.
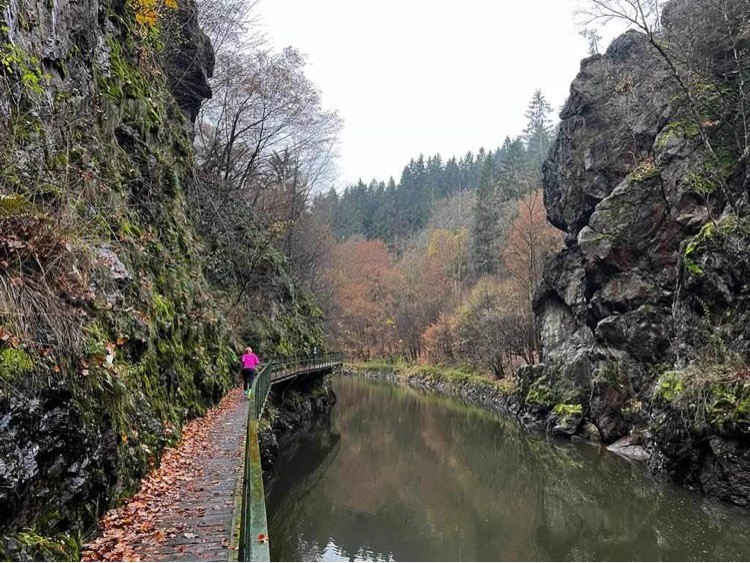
[[143, 521]]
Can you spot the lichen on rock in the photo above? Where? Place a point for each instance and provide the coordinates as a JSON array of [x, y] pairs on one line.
[[652, 278]]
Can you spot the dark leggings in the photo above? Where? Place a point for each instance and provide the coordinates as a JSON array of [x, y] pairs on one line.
[[248, 374]]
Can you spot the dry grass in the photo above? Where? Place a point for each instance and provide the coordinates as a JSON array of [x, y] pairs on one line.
[[40, 279], [708, 396], [34, 313]]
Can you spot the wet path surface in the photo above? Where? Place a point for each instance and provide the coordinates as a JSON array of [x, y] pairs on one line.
[[184, 509], [397, 474]]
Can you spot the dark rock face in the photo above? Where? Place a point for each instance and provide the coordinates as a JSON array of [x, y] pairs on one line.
[[50, 458], [86, 95], [73, 41], [188, 61], [622, 303], [617, 274], [295, 409]]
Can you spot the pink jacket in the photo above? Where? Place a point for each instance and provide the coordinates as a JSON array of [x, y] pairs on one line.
[[249, 361]]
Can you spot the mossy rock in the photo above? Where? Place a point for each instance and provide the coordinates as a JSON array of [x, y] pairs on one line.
[[29, 545], [15, 363], [565, 409]]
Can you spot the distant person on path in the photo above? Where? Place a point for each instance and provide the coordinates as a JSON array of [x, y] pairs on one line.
[[249, 362]]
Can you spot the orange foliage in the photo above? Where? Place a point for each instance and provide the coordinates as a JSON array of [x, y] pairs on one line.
[[530, 242], [147, 12], [361, 276], [423, 307]]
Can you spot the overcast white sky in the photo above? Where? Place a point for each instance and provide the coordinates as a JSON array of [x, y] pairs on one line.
[[427, 76]]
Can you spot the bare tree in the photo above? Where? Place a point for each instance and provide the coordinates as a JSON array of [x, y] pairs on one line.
[[264, 143], [642, 14], [266, 106], [593, 38]]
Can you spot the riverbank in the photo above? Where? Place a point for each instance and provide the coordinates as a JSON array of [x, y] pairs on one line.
[[496, 395], [511, 396], [713, 459]]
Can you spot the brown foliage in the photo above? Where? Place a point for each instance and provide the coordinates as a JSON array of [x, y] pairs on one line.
[[530, 243], [127, 529], [361, 273]]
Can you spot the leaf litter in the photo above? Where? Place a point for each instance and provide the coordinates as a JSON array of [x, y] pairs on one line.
[[139, 521]]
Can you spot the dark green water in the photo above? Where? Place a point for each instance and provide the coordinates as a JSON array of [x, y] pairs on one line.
[[401, 475]]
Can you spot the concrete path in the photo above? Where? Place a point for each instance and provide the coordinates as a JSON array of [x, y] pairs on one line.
[[184, 509]]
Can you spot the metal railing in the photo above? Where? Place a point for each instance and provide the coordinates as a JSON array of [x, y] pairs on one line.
[[289, 366], [253, 510], [260, 388]]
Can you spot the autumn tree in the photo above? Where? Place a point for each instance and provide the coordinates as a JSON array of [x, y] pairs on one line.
[[361, 316], [493, 329], [266, 107], [439, 341], [264, 144], [530, 243]]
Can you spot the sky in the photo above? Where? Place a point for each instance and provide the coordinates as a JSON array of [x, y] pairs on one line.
[[427, 76]]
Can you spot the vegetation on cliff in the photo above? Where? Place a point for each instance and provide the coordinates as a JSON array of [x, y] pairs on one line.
[[644, 314], [121, 300]]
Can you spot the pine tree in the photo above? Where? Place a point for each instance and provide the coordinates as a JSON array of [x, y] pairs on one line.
[[452, 176], [466, 165], [485, 233], [538, 132], [518, 165]]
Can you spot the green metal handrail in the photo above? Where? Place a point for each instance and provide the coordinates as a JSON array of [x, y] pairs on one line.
[[260, 388], [288, 366], [253, 509], [252, 482]]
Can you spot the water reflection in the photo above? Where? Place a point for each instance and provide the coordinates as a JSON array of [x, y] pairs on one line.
[[401, 475]]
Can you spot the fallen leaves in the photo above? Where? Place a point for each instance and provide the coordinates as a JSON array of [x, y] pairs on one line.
[[142, 524], [9, 338]]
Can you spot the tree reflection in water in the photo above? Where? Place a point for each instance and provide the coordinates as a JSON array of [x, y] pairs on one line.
[[397, 474]]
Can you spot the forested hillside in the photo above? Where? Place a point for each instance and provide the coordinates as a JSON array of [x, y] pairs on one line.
[[391, 212], [444, 265]]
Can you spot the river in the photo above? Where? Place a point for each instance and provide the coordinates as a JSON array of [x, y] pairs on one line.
[[398, 474]]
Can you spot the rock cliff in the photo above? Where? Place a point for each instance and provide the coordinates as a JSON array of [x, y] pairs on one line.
[[109, 332], [644, 314]]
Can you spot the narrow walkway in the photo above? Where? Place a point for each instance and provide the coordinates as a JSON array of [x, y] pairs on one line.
[[183, 511]]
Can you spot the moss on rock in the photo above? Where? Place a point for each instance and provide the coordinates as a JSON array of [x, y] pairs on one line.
[[15, 363]]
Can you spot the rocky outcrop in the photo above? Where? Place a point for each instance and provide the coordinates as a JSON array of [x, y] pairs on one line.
[[293, 410], [617, 275], [108, 339], [188, 59], [651, 278]]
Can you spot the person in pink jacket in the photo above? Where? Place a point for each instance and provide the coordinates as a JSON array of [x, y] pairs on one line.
[[249, 362]]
